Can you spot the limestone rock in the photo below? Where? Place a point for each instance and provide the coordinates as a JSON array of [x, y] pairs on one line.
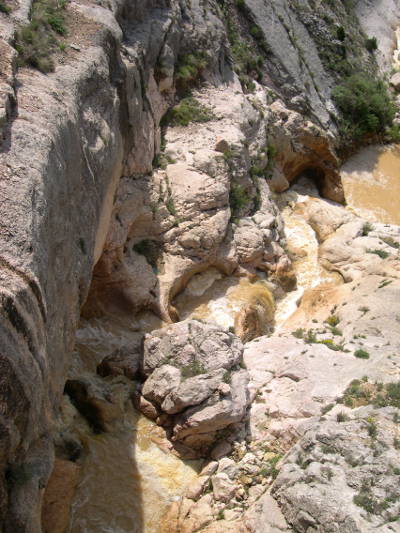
[[123, 361], [223, 488], [338, 478], [194, 374], [395, 81]]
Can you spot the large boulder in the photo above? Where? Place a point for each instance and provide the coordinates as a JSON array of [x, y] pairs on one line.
[[195, 381]]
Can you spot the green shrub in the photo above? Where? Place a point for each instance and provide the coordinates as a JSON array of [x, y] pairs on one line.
[[189, 110], [333, 320], [299, 333], [367, 228], [340, 33], [195, 368], [371, 44], [331, 345], [171, 206], [342, 417], [189, 68], [4, 8], [361, 354], [391, 242], [393, 133], [367, 501], [366, 106], [240, 4], [36, 41], [256, 32], [238, 197], [381, 253], [372, 428]]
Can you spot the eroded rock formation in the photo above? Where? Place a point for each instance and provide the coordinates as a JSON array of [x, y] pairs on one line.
[[195, 382], [88, 226]]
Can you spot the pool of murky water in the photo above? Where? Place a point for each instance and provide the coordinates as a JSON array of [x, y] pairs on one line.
[[371, 181]]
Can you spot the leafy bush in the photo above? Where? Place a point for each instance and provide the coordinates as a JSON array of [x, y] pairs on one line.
[[189, 110], [340, 33], [381, 253], [240, 4], [371, 44], [190, 68], [361, 354], [238, 198], [36, 41], [366, 106], [342, 417], [4, 8], [367, 501], [367, 228], [333, 320], [195, 368]]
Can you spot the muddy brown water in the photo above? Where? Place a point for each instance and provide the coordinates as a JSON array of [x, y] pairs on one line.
[[371, 181]]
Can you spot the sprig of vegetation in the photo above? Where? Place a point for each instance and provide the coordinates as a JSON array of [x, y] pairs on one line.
[[238, 197], [4, 8], [189, 68], [195, 368], [381, 253], [36, 41], [369, 502], [371, 44], [187, 111], [361, 354], [366, 229]]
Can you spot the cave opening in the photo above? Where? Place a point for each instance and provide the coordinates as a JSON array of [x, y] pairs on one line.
[[314, 175]]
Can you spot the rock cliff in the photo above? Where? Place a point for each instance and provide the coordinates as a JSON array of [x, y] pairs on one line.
[[110, 204]]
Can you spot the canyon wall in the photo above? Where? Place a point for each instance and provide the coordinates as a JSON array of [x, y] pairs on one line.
[[76, 159]]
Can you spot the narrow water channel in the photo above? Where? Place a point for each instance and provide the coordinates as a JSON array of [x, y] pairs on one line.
[[129, 480], [221, 300]]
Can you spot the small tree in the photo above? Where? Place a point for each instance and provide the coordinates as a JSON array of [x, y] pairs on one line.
[[371, 44], [341, 34], [366, 105]]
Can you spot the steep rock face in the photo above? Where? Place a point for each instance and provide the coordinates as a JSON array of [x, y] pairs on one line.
[[375, 19], [72, 136], [186, 217], [76, 151]]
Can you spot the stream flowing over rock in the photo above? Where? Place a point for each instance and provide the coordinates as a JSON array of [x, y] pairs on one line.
[[196, 335]]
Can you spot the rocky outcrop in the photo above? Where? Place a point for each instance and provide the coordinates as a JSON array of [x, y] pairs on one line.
[[195, 382], [303, 149], [185, 218], [65, 145], [324, 410], [329, 479], [79, 197]]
